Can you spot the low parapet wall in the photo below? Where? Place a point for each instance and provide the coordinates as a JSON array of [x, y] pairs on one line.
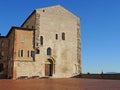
[[101, 76]]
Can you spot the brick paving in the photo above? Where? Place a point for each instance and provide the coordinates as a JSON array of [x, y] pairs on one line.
[[60, 84]]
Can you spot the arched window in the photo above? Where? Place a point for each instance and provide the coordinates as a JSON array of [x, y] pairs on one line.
[[63, 36], [48, 51], [41, 40], [1, 67]]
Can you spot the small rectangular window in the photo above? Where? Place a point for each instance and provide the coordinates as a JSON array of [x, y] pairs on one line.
[[21, 53]]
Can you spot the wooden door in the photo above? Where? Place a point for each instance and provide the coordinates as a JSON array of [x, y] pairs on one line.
[[47, 69]]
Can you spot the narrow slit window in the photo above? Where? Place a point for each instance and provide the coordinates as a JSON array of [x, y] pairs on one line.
[[41, 40], [32, 27], [21, 53], [28, 53], [56, 36], [32, 53]]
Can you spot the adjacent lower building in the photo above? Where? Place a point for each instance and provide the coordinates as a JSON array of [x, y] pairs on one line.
[[47, 44]]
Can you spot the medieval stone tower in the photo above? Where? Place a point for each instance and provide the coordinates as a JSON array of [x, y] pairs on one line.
[[46, 44]]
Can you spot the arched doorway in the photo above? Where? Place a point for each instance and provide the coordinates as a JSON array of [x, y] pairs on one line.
[[1, 67], [49, 67]]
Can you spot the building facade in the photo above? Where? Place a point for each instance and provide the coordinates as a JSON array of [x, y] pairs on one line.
[[47, 44], [3, 59]]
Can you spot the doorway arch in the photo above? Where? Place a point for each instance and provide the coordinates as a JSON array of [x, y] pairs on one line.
[[49, 67], [1, 67]]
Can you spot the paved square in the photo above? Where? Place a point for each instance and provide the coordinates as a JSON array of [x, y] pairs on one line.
[[60, 84]]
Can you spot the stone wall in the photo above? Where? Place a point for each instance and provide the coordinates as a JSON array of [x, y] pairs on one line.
[[11, 38], [57, 20], [4, 43], [28, 69]]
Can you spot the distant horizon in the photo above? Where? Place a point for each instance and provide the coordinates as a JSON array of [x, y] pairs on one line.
[[100, 29], [103, 73]]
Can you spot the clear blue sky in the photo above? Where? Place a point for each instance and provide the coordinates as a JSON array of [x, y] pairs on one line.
[[100, 28]]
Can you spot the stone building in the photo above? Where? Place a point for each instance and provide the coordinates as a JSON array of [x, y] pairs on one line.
[[47, 44], [3, 56]]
